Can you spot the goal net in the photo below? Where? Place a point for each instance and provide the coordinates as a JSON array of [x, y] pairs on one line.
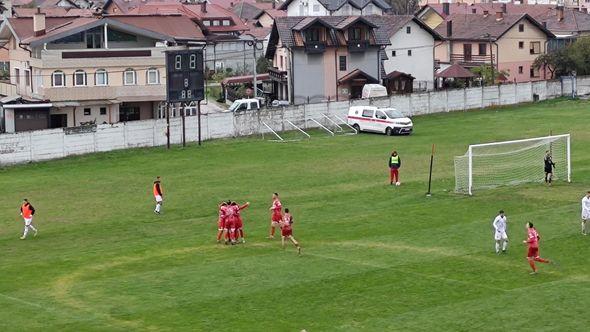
[[512, 162]]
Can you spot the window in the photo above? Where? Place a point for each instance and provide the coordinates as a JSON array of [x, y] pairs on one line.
[[535, 48], [483, 49], [17, 75], [79, 78], [354, 34], [380, 115], [120, 36], [207, 23], [521, 28], [153, 76], [129, 77], [87, 111], [368, 113], [520, 70], [281, 61], [316, 8], [408, 29], [409, 52], [103, 111], [313, 35], [369, 9], [393, 53], [72, 39], [58, 79], [215, 23], [101, 78], [473, 11], [520, 44], [94, 38], [342, 63], [27, 77], [225, 23], [534, 72]]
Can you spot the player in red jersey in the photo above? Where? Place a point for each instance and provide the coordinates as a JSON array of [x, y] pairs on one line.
[[230, 224], [239, 222], [533, 243], [287, 231], [221, 220], [277, 214]]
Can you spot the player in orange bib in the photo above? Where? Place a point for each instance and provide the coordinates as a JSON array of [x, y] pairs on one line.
[[158, 195], [287, 231], [276, 216], [27, 211]]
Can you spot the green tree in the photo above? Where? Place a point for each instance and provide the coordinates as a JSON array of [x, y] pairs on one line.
[[557, 62], [579, 55], [488, 74], [262, 65]]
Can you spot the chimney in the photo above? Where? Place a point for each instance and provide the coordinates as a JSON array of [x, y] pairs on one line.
[[486, 13], [560, 13], [544, 24], [446, 8], [504, 10], [499, 15], [449, 28], [204, 6], [39, 23]]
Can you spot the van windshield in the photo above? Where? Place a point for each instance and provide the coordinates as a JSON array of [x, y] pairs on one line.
[[234, 106], [393, 114]]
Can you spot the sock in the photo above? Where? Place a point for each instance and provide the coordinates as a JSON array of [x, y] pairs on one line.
[[232, 235], [497, 246], [241, 233], [541, 260], [583, 227], [219, 234], [272, 231], [504, 245], [33, 228], [158, 207], [532, 264], [226, 235], [26, 231]]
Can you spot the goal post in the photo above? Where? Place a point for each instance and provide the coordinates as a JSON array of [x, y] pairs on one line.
[[514, 162]]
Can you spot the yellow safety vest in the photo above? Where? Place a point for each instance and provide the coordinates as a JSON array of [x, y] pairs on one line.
[[395, 160]]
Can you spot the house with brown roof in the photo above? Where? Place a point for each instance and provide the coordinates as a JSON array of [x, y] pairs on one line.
[[70, 71], [509, 43], [410, 50], [324, 58]]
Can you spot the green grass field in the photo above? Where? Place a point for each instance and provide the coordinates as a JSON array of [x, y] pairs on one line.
[[375, 257]]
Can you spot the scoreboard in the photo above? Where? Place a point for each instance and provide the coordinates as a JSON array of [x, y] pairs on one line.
[[184, 76]]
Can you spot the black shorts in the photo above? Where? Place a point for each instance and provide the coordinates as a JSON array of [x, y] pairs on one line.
[[548, 170]]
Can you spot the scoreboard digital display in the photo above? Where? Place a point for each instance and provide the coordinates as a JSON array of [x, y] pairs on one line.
[[185, 76]]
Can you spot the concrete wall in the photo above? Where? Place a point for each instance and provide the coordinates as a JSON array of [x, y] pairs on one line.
[[58, 143]]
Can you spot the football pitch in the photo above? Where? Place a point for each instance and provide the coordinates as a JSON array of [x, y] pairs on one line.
[[375, 257]]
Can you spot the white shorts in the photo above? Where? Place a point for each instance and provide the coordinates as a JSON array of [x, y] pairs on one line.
[[158, 198], [500, 236], [28, 221]]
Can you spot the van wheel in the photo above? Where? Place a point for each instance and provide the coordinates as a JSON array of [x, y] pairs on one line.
[[388, 131], [356, 127]]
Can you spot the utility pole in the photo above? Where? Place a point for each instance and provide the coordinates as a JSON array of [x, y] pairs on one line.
[[255, 83]]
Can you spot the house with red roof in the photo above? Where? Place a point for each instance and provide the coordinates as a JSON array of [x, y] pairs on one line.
[[70, 71]]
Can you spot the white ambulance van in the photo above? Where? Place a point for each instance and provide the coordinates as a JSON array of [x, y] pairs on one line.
[[379, 120]]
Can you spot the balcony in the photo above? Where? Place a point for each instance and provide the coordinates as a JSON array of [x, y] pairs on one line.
[[120, 93], [357, 45], [277, 75], [472, 60], [97, 58], [315, 47]]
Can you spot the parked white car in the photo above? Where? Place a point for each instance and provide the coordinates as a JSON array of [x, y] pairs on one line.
[[241, 105], [380, 120], [373, 91]]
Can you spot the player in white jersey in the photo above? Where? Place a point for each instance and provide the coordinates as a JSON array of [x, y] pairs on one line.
[[585, 212], [500, 235]]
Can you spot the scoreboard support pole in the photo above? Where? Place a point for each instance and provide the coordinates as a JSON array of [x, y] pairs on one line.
[[168, 126], [199, 119], [183, 126]]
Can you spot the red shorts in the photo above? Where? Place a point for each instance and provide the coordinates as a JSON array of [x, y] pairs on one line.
[[238, 223], [533, 252], [221, 224], [286, 232], [230, 224], [276, 217]]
